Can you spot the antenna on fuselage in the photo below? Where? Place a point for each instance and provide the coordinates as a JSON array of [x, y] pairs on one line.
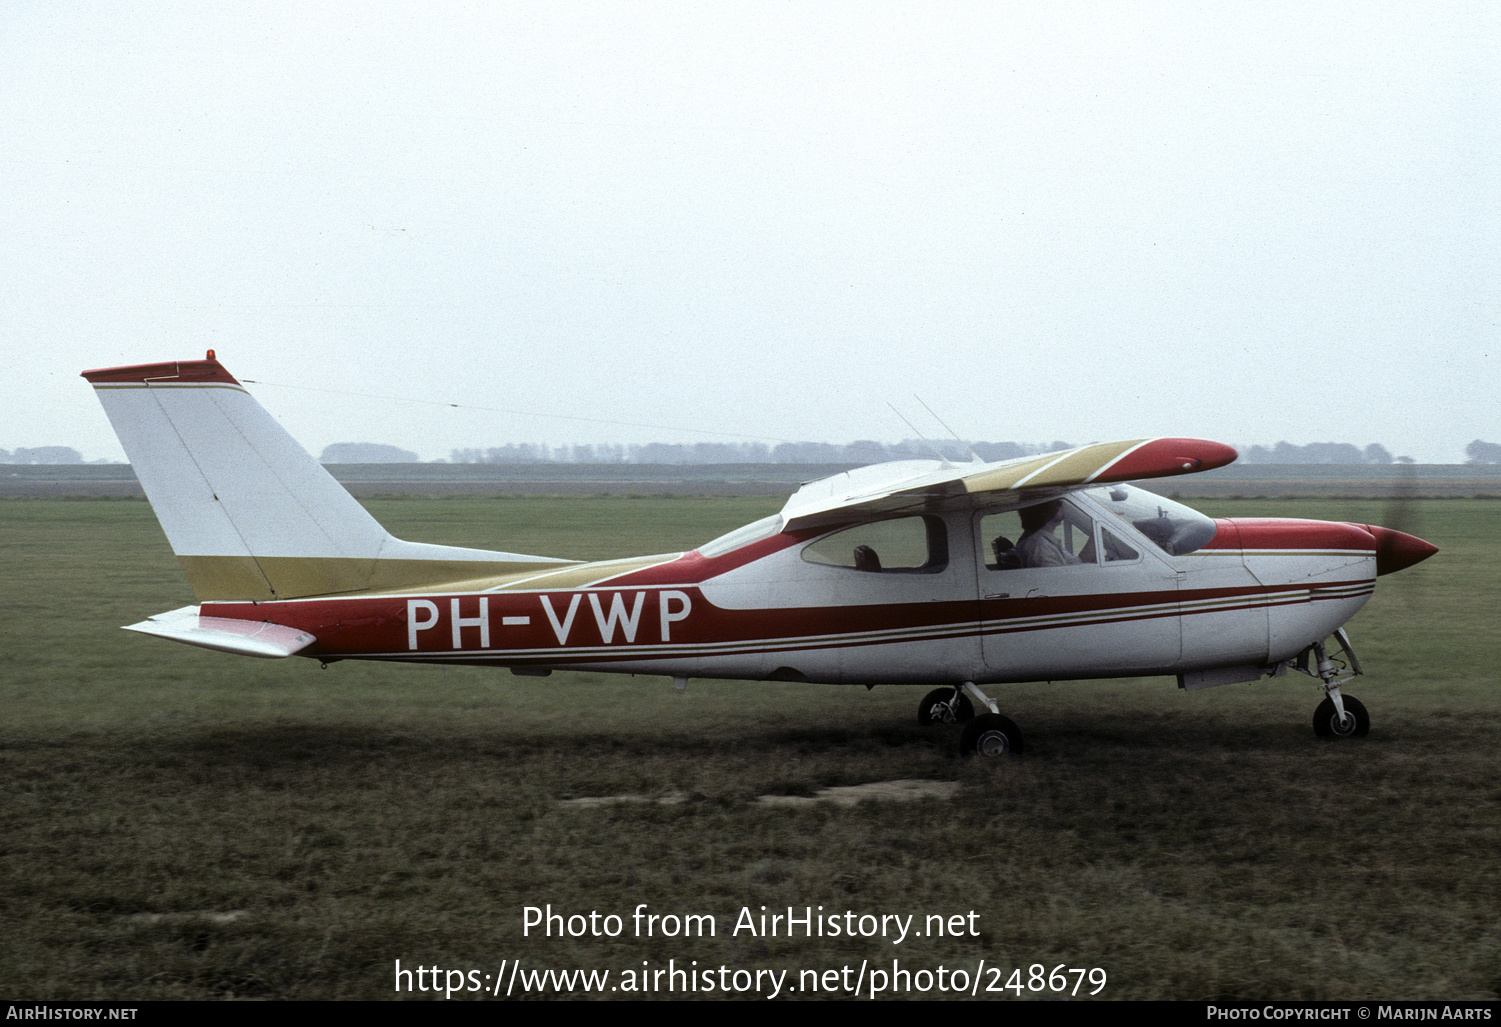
[[936, 451], [973, 455]]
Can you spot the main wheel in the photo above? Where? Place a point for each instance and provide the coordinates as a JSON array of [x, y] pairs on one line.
[[991, 735], [1326, 722], [935, 708]]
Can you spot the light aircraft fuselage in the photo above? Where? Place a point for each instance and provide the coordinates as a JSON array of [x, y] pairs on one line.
[[916, 572]]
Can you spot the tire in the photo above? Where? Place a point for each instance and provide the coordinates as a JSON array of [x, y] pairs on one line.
[[1326, 721], [991, 736], [934, 708]]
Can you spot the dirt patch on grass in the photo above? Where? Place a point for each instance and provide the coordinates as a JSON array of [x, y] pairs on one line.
[[670, 799], [849, 795], [209, 916], [909, 790]]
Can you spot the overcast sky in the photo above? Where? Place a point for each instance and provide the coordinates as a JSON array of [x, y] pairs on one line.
[[1244, 222]]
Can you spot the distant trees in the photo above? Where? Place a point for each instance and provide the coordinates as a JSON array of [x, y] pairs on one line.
[[41, 455], [999, 450], [862, 451], [1483, 453], [366, 453], [1317, 453], [607, 453], [510, 453]]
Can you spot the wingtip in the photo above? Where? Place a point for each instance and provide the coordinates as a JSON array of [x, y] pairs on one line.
[[1163, 458]]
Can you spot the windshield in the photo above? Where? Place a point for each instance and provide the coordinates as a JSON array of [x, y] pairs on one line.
[[752, 532], [1173, 527]]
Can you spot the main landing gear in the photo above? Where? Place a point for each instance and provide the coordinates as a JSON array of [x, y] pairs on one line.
[[990, 734], [945, 706], [1338, 716]]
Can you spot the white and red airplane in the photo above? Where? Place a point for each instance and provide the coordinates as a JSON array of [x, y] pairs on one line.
[[913, 572]]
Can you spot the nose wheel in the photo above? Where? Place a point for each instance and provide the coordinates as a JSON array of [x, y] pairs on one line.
[[1328, 723]]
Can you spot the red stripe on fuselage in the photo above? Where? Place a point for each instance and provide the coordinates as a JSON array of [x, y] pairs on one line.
[[380, 626]]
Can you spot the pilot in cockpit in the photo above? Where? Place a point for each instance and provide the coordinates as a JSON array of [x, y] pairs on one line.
[[1038, 546]]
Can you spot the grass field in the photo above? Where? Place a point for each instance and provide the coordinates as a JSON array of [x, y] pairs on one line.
[[179, 823]]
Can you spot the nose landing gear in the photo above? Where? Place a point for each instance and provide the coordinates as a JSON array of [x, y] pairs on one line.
[[1351, 722], [1338, 716]]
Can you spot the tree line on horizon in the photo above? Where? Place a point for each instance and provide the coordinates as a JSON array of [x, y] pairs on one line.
[[864, 451], [867, 452], [42, 455]]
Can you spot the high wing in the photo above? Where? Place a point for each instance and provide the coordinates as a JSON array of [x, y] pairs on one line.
[[913, 486]]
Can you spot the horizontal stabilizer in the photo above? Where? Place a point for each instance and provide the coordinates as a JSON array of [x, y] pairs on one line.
[[245, 637]]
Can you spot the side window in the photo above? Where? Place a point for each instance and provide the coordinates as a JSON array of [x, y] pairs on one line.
[[1115, 549], [910, 544], [999, 534], [1060, 535]]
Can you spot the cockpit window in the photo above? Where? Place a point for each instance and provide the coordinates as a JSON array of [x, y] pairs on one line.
[[1172, 527], [1054, 534], [743, 536], [911, 544]]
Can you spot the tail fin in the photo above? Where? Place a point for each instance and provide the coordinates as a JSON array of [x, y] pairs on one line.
[[249, 513]]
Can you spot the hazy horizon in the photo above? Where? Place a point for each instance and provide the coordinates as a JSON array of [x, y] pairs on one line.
[[916, 450], [586, 223]]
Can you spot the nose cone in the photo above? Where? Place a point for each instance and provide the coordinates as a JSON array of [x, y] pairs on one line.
[[1397, 550]]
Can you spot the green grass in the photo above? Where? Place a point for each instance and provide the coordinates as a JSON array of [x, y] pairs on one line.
[[1195, 845]]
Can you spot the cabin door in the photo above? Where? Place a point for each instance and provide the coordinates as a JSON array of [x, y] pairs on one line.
[[1084, 596]]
